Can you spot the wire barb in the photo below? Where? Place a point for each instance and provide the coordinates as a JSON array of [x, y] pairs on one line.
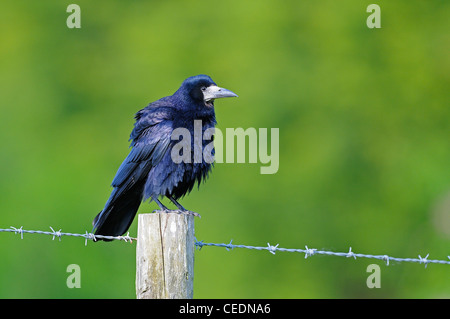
[[272, 249], [199, 244], [126, 238], [89, 236], [309, 252], [350, 253], [18, 231], [424, 260], [56, 234]]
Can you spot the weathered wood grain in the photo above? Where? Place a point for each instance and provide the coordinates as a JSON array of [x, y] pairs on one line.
[[165, 256]]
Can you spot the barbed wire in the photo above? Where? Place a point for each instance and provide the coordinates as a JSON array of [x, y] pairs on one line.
[[58, 234], [308, 252], [313, 251]]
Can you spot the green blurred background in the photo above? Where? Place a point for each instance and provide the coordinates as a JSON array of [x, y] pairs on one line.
[[364, 128]]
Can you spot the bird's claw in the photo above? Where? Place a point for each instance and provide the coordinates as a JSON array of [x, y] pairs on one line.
[[178, 211], [188, 212]]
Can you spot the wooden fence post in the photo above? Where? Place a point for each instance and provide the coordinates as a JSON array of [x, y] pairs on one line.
[[165, 256]]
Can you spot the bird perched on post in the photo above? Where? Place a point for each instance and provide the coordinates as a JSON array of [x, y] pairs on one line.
[[149, 171]]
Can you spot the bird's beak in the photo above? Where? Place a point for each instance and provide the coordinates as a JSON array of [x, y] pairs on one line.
[[214, 92]]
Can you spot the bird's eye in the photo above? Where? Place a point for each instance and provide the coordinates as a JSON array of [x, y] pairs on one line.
[[203, 88]]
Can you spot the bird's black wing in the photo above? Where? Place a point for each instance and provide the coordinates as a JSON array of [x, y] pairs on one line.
[[147, 150]]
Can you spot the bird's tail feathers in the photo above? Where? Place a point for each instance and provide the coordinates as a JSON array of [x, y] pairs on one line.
[[119, 212]]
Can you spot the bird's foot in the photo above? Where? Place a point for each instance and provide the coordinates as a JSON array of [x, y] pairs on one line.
[[188, 212], [177, 211]]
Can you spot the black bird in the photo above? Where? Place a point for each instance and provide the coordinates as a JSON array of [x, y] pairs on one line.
[[149, 171]]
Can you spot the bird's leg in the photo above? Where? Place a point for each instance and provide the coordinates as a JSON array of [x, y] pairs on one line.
[[177, 204], [181, 209], [161, 206]]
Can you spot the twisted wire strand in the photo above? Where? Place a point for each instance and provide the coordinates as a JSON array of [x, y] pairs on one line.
[[58, 234], [313, 251]]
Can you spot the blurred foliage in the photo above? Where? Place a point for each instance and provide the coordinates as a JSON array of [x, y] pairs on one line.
[[364, 141]]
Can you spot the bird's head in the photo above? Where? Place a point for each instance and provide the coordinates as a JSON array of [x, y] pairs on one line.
[[201, 88]]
